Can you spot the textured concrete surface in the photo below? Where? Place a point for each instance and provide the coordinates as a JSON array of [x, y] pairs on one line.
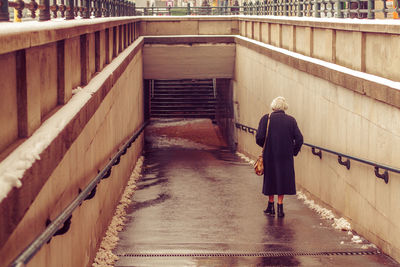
[[198, 204]]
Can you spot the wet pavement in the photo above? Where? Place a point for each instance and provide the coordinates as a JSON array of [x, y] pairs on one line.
[[198, 204]]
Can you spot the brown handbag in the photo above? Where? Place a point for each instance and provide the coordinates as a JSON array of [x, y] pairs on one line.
[[259, 165]]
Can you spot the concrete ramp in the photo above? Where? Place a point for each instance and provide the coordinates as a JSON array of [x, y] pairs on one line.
[[199, 204]]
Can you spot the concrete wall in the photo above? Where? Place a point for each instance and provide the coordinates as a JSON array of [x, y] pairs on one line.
[[118, 115], [331, 113], [184, 60], [39, 82], [40, 67], [368, 47], [189, 26]]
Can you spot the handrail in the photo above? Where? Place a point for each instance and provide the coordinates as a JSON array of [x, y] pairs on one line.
[[299, 8], [68, 9], [64, 218], [377, 166], [71, 9]]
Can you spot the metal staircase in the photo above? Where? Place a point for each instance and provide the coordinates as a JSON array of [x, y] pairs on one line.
[[183, 99]]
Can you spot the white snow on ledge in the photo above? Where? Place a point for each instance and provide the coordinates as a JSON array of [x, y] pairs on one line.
[[13, 167], [54, 24], [368, 77]]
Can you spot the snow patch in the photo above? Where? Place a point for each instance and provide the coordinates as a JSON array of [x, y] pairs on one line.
[[105, 257], [340, 224], [245, 158], [367, 246], [324, 213], [76, 90], [164, 141], [356, 239], [175, 122]]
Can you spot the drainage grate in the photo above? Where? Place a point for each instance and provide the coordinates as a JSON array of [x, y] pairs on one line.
[[253, 254]]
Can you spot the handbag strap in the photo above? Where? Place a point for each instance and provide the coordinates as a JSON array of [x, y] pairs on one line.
[[266, 133]]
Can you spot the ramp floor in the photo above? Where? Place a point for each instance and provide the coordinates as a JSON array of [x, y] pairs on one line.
[[198, 204]]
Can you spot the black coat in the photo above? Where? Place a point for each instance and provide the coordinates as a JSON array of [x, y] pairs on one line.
[[283, 142]]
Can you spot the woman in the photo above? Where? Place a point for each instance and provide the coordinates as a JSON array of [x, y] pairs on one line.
[[284, 141]]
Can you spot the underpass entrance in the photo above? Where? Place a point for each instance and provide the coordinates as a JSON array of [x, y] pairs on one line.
[[192, 98], [188, 98]]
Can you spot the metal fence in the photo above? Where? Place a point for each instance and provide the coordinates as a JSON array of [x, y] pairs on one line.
[[299, 8], [70, 9], [381, 171]]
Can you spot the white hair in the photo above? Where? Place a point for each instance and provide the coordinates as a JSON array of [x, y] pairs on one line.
[[279, 103]]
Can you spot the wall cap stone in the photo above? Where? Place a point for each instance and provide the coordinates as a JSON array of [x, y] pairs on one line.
[[376, 87], [17, 36], [374, 26]]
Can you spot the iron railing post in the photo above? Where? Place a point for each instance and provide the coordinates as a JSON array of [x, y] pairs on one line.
[[111, 8], [70, 10], [274, 7], [299, 8], [384, 9], [54, 8], [285, 7], [44, 14], [235, 9], [86, 13], [118, 9], [107, 7], [317, 8], [98, 9], [371, 7], [76, 8], [264, 7], [4, 14], [188, 9], [339, 13]]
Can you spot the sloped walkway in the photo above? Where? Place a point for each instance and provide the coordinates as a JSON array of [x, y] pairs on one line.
[[198, 204]]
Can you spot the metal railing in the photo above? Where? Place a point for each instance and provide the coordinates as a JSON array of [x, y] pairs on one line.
[[70, 9], [299, 8], [64, 219], [377, 166]]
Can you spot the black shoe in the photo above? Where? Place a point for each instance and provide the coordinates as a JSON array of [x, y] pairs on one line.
[[270, 209], [280, 211]]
